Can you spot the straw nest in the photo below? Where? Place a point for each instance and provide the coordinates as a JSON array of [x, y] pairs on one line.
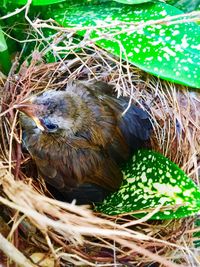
[[36, 228]]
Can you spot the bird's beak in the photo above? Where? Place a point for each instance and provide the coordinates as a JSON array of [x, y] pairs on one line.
[[30, 110]]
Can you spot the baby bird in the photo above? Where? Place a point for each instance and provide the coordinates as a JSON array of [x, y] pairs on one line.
[[78, 138]]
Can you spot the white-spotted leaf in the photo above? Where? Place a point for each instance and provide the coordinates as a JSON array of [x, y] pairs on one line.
[[171, 52], [36, 2], [150, 181], [132, 2], [185, 5]]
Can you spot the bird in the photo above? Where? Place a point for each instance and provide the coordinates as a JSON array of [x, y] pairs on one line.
[[80, 135]]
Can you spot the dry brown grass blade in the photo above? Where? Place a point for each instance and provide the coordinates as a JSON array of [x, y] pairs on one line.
[[13, 253], [70, 221]]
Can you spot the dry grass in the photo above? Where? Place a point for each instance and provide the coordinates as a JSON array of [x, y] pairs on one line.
[[70, 235]]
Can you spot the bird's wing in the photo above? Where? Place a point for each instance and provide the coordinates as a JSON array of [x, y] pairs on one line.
[[135, 122]]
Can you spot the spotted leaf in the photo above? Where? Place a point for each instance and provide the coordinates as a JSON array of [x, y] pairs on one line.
[[171, 52], [152, 181], [185, 5], [132, 2], [35, 2]]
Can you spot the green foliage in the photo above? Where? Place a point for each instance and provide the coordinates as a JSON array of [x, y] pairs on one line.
[[151, 180], [3, 45], [168, 51], [196, 235], [186, 5], [132, 2], [5, 62], [36, 2]]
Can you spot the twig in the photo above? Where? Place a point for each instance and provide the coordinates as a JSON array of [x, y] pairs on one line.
[[17, 11]]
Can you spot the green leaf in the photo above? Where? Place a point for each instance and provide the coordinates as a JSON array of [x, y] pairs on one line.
[[5, 62], [171, 52], [3, 45], [132, 2], [151, 180], [36, 2], [49, 2], [196, 235], [185, 5], [69, 2]]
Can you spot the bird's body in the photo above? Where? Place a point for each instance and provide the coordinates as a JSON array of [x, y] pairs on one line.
[[78, 137]]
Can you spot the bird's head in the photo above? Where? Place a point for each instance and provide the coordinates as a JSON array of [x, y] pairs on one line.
[[51, 112]]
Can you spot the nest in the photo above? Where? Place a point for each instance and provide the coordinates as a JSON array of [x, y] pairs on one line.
[[41, 231]]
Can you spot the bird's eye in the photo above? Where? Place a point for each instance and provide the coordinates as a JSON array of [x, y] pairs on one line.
[[50, 127]]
